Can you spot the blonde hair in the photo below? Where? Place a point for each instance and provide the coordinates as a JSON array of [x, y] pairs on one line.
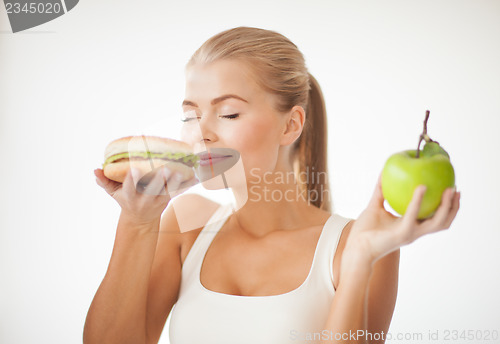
[[280, 69]]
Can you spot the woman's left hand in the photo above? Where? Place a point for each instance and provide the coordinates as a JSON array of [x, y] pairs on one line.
[[377, 232]]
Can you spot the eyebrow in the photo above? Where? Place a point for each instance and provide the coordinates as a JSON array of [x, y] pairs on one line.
[[216, 100]]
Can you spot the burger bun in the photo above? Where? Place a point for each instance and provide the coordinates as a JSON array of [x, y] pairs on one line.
[[117, 171]]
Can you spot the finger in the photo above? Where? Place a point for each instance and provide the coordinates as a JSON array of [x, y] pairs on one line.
[[437, 221], [377, 199], [166, 175], [454, 210], [157, 184], [444, 208], [174, 183], [110, 186], [411, 214], [184, 186], [130, 181]]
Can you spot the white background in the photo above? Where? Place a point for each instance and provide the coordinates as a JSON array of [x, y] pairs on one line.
[[113, 68]]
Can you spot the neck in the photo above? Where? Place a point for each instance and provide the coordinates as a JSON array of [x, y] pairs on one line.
[[276, 202]]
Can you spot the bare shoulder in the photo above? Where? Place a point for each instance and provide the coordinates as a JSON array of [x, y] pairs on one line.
[[190, 212], [166, 271], [386, 266], [185, 214], [340, 249]]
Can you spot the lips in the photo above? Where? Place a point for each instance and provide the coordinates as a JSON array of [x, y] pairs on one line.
[[211, 158], [215, 161]]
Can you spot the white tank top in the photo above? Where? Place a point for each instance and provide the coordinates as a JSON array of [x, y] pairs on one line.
[[204, 316]]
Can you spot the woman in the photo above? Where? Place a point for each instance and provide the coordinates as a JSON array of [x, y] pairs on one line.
[[280, 269]]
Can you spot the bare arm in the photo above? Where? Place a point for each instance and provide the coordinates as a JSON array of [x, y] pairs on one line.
[[382, 294], [118, 311], [365, 298], [165, 277], [348, 310], [121, 310], [164, 283]]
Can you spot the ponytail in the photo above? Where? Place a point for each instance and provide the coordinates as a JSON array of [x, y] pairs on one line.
[[311, 150], [280, 69]]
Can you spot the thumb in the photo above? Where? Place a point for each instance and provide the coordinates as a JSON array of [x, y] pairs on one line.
[[110, 186], [377, 199]]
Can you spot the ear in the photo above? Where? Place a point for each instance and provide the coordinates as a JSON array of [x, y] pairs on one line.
[[294, 123]]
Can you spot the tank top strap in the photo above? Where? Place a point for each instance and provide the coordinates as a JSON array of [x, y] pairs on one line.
[[192, 263], [322, 269]]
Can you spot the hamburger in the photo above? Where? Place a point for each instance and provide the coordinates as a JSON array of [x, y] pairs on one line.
[[147, 153]]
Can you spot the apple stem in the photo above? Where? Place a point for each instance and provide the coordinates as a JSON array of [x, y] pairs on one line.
[[424, 135]]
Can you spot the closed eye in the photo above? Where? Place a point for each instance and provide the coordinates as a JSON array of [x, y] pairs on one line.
[[232, 116], [189, 115], [187, 119]]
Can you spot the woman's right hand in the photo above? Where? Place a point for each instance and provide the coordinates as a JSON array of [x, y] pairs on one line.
[[144, 204]]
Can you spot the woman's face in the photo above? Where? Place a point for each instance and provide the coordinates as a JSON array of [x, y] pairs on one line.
[[225, 108]]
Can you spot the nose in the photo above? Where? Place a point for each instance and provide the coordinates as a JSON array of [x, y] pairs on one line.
[[207, 129], [200, 132]]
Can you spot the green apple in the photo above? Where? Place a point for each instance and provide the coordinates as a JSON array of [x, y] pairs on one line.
[[404, 171]]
